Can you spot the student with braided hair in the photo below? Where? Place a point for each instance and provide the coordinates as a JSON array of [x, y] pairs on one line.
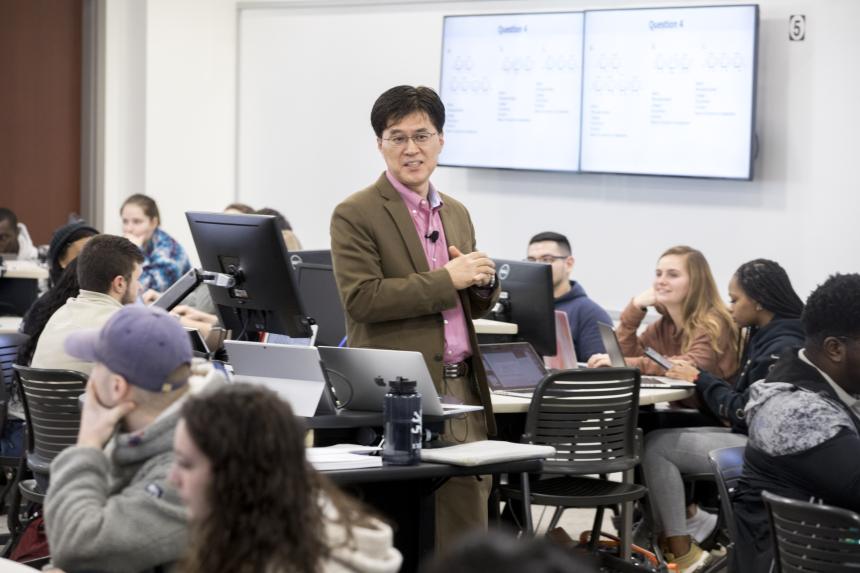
[[766, 307]]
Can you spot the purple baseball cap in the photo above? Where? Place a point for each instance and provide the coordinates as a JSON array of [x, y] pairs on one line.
[[143, 344]]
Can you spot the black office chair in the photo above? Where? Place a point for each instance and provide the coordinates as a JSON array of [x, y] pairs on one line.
[[9, 345], [52, 411], [809, 537], [589, 416]]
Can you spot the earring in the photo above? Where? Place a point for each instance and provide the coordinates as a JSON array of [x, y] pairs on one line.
[[758, 307]]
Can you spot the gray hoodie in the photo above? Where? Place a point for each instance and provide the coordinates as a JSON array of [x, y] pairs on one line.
[[112, 509]]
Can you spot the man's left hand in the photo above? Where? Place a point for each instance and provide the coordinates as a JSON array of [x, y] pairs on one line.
[[98, 421]]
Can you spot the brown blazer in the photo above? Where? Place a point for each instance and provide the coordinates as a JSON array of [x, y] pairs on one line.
[[391, 297]]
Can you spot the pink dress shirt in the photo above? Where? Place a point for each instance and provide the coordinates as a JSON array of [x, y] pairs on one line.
[[425, 215]]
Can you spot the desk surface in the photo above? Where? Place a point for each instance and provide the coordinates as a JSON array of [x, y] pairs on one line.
[[24, 270], [9, 324], [484, 326], [426, 470], [513, 405]]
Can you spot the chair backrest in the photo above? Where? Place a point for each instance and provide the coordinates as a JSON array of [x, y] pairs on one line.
[[589, 416], [728, 464], [52, 409], [812, 537], [9, 344]]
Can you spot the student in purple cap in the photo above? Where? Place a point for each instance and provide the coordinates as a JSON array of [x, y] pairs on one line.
[[111, 508]]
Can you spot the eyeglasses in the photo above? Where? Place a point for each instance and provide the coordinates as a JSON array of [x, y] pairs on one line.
[[546, 259], [420, 139]]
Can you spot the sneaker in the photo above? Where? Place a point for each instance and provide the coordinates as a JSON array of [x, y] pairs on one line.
[[701, 525], [696, 559]]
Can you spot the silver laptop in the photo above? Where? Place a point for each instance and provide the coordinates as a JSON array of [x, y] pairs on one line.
[[360, 376], [513, 368], [616, 357], [293, 372]]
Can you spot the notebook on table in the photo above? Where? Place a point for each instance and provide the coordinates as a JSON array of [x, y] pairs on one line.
[[616, 357], [513, 368]]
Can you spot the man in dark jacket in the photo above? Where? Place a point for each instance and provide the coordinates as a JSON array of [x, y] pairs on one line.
[[582, 312], [804, 422]]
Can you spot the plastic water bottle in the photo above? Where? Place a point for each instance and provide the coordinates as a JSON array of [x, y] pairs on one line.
[[401, 412]]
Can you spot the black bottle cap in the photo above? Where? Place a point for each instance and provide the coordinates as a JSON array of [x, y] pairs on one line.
[[403, 386]]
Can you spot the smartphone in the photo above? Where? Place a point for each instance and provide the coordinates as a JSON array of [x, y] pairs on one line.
[[658, 358]]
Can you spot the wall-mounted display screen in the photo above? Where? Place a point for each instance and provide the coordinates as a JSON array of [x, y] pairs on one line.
[[511, 85], [670, 91], [663, 91]]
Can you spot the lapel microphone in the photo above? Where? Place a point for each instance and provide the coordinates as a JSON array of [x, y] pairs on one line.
[[432, 236]]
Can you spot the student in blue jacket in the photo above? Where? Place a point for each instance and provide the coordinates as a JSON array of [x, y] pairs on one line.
[[582, 312], [766, 307]]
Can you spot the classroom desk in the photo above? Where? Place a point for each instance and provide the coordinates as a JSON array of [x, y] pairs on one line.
[[647, 396], [407, 496], [9, 324]]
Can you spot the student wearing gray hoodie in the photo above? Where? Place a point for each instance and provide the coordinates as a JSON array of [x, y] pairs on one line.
[[109, 506]]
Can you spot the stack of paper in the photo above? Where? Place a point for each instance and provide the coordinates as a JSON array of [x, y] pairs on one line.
[[343, 457]]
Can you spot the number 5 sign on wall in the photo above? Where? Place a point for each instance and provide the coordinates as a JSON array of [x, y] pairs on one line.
[[797, 27]]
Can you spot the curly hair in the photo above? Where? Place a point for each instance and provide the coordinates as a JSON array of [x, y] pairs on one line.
[[767, 283], [703, 308], [265, 499], [833, 309], [43, 309]]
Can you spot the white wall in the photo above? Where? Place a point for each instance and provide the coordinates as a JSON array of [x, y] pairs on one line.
[[799, 210], [170, 107]]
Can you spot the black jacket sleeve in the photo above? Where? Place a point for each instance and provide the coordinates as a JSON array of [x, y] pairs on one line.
[[722, 399], [830, 469]]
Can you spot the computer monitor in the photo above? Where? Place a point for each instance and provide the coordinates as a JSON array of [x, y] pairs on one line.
[[321, 299], [529, 302], [321, 257], [251, 249]]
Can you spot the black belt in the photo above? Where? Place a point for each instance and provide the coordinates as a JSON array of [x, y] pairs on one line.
[[455, 370]]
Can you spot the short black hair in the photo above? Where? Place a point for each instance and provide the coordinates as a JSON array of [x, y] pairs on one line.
[[554, 237], [8, 215], [104, 258], [833, 309], [767, 283], [398, 102]]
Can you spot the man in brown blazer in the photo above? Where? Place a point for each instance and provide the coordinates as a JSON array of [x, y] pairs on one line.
[[410, 279]]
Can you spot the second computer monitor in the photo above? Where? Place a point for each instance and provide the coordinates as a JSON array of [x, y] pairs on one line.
[[321, 300], [530, 303]]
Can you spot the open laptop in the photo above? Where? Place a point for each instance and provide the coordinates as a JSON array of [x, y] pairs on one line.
[[513, 368], [360, 376], [293, 372], [565, 353], [616, 357]]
